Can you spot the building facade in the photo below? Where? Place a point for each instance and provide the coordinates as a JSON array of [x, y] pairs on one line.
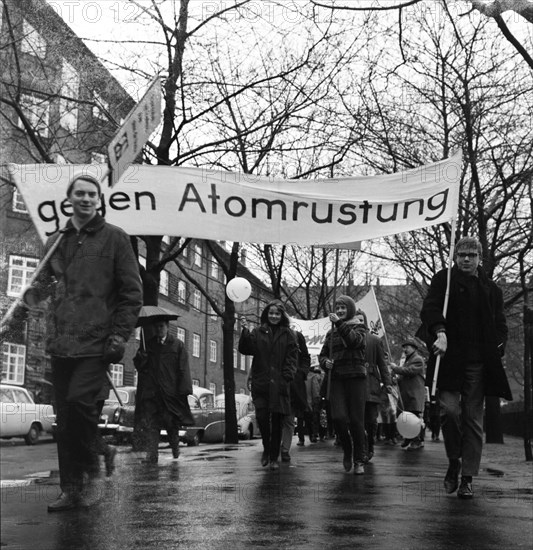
[[59, 105]]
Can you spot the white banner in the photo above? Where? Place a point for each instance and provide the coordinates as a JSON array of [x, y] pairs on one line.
[[315, 331], [208, 204]]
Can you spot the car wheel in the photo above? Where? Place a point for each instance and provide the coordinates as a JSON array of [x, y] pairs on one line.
[[33, 435], [194, 440]]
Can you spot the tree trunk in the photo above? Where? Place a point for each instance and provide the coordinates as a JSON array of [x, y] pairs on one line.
[[232, 434], [528, 390]]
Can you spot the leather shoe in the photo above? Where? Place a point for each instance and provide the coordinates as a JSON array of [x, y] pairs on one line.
[[109, 460], [274, 465], [465, 489], [65, 501], [451, 481], [285, 457], [175, 452], [358, 469], [264, 459]]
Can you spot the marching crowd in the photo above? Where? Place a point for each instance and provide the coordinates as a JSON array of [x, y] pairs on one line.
[[354, 393]]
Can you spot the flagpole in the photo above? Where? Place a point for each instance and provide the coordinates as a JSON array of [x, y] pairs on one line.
[[335, 281], [446, 300], [381, 321]]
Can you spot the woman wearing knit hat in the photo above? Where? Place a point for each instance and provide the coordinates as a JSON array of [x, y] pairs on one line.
[[343, 354]]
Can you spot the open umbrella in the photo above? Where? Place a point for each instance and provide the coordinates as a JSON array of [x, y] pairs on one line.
[[152, 314]]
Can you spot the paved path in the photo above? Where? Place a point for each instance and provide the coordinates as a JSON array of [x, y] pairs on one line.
[[219, 497]]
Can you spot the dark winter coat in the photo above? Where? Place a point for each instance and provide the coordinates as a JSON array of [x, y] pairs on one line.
[[345, 344], [93, 279], [491, 327], [164, 374], [411, 382], [299, 402], [275, 357], [378, 374]]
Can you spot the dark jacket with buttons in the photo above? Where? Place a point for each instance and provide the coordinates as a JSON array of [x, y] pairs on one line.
[[275, 358], [488, 328], [95, 287]]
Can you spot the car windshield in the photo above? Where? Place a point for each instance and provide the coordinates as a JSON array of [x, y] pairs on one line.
[[6, 396], [124, 396]]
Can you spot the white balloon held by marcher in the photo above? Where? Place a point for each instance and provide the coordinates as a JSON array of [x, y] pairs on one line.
[[238, 289], [408, 424]]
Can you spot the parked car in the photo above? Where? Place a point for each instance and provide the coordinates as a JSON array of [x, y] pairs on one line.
[[246, 417], [209, 419], [116, 420], [21, 417]]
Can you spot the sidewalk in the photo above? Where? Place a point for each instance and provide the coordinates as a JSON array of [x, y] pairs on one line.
[[219, 497]]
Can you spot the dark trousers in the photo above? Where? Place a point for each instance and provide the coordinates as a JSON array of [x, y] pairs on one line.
[[347, 399], [156, 416], [371, 424], [270, 426], [77, 383], [462, 420]]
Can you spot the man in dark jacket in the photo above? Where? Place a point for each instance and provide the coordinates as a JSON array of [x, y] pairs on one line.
[[163, 386], [378, 380], [93, 280], [470, 341], [299, 405]]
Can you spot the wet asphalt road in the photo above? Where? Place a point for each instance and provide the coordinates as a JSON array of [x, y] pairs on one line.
[[220, 497]]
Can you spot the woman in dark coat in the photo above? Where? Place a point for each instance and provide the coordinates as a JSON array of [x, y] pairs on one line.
[[411, 383], [344, 355], [275, 356]]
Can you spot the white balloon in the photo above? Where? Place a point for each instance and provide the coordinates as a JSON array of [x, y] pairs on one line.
[[238, 289], [408, 424]]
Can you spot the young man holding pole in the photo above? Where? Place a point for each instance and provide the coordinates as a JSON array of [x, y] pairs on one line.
[[93, 279], [467, 339]]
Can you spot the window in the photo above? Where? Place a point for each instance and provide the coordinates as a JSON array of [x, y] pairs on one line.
[[100, 107], [212, 351], [243, 362], [32, 42], [165, 239], [18, 204], [117, 373], [235, 358], [198, 255], [21, 269], [13, 363], [212, 313], [68, 110], [195, 382], [197, 299], [185, 251], [36, 110], [196, 345], [214, 269], [181, 334], [213, 387], [163, 282], [182, 292]]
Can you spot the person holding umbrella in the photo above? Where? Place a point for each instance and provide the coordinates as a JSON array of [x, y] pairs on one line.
[[163, 385]]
